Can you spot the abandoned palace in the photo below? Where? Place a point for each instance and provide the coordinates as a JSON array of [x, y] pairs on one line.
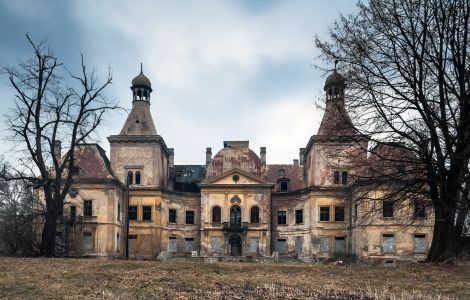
[[235, 204]]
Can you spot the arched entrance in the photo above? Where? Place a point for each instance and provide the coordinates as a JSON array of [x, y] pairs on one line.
[[235, 243]]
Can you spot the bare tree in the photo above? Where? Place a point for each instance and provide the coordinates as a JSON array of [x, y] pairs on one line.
[[408, 71], [51, 112]]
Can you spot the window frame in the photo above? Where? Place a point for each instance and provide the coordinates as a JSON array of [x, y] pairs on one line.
[[189, 215], [297, 221], [388, 234], [87, 208], [388, 212], [281, 215], [321, 214], [136, 213], [148, 213], [254, 215], [172, 218], [216, 218], [336, 215]]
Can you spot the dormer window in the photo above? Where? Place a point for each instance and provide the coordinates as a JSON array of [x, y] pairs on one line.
[[282, 173], [283, 184]]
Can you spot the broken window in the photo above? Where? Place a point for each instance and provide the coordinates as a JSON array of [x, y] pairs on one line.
[[146, 213], [420, 209], [387, 209], [254, 215], [215, 244], [344, 177], [299, 241], [190, 217], [282, 246], [73, 213], [299, 216], [339, 213], [130, 175], [254, 245], [172, 216], [324, 244], [172, 244], [281, 217], [137, 177], [188, 245], [87, 240], [336, 177], [132, 212], [87, 208], [216, 214], [388, 242], [340, 245], [324, 213], [419, 243]]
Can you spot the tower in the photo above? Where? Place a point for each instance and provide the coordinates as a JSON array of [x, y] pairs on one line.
[[139, 155]]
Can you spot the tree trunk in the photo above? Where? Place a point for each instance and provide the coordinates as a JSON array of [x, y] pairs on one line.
[[445, 241], [48, 235]]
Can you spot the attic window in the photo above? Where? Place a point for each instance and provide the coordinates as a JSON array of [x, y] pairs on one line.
[[282, 173], [235, 178]]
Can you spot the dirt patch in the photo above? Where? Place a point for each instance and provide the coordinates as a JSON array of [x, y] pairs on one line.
[[114, 279]]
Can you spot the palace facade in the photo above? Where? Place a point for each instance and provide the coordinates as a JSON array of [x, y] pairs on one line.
[[235, 204]]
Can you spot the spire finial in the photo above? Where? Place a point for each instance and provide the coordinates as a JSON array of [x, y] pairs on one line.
[[336, 62], [141, 68]]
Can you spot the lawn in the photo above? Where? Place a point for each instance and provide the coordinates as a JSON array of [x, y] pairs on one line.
[[44, 278]]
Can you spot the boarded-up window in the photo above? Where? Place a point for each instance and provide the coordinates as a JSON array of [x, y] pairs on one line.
[[254, 245], [215, 244], [388, 243], [87, 240], [282, 246], [324, 244], [188, 244], [299, 241], [340, 245], [172, 244], [419, 243]]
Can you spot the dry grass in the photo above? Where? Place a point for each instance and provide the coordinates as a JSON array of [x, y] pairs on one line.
[[33, 278]]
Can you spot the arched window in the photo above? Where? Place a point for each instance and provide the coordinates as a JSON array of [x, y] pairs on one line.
[[235, 215], [344, 177], [254, 215], [137, 177], [216, 214], [336, 177], [129, 177]]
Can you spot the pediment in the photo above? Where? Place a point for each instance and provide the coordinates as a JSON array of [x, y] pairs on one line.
[[235, 177]]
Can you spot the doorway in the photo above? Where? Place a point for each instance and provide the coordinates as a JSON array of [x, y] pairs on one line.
[[235, 243]]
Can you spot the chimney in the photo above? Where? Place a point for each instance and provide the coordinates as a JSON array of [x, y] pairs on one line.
[[262, 155], [208, 155], [171, 157], [57, 149], [296, 162], [301, 156]]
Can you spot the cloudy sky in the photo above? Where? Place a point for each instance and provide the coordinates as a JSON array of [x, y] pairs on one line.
[[220, 70]]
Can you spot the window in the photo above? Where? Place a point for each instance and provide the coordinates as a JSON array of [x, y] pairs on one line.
[[254, 245], [188, 245], [283, 185], [339, 213], [336, 177], [130, 175], [324, 244], [73, 213], [119, 211], [87, 208], [282, 246], [172, 216], [146, 213], [132, 236], [388, 242], [281, 217], [299, 216], [324, 213], [118, 242], [190, 217], [340, 245], [299, 241], [282, 173], [215, 244], [254, 215], [137, 177], [387, 209], [235, 215], [87, 240], [75, 170], [216, 214], [172, 244], [132, 212], [420, 209], [344, 177], [419, 243]]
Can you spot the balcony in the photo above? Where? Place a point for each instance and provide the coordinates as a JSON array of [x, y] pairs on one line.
[[235, 227]]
